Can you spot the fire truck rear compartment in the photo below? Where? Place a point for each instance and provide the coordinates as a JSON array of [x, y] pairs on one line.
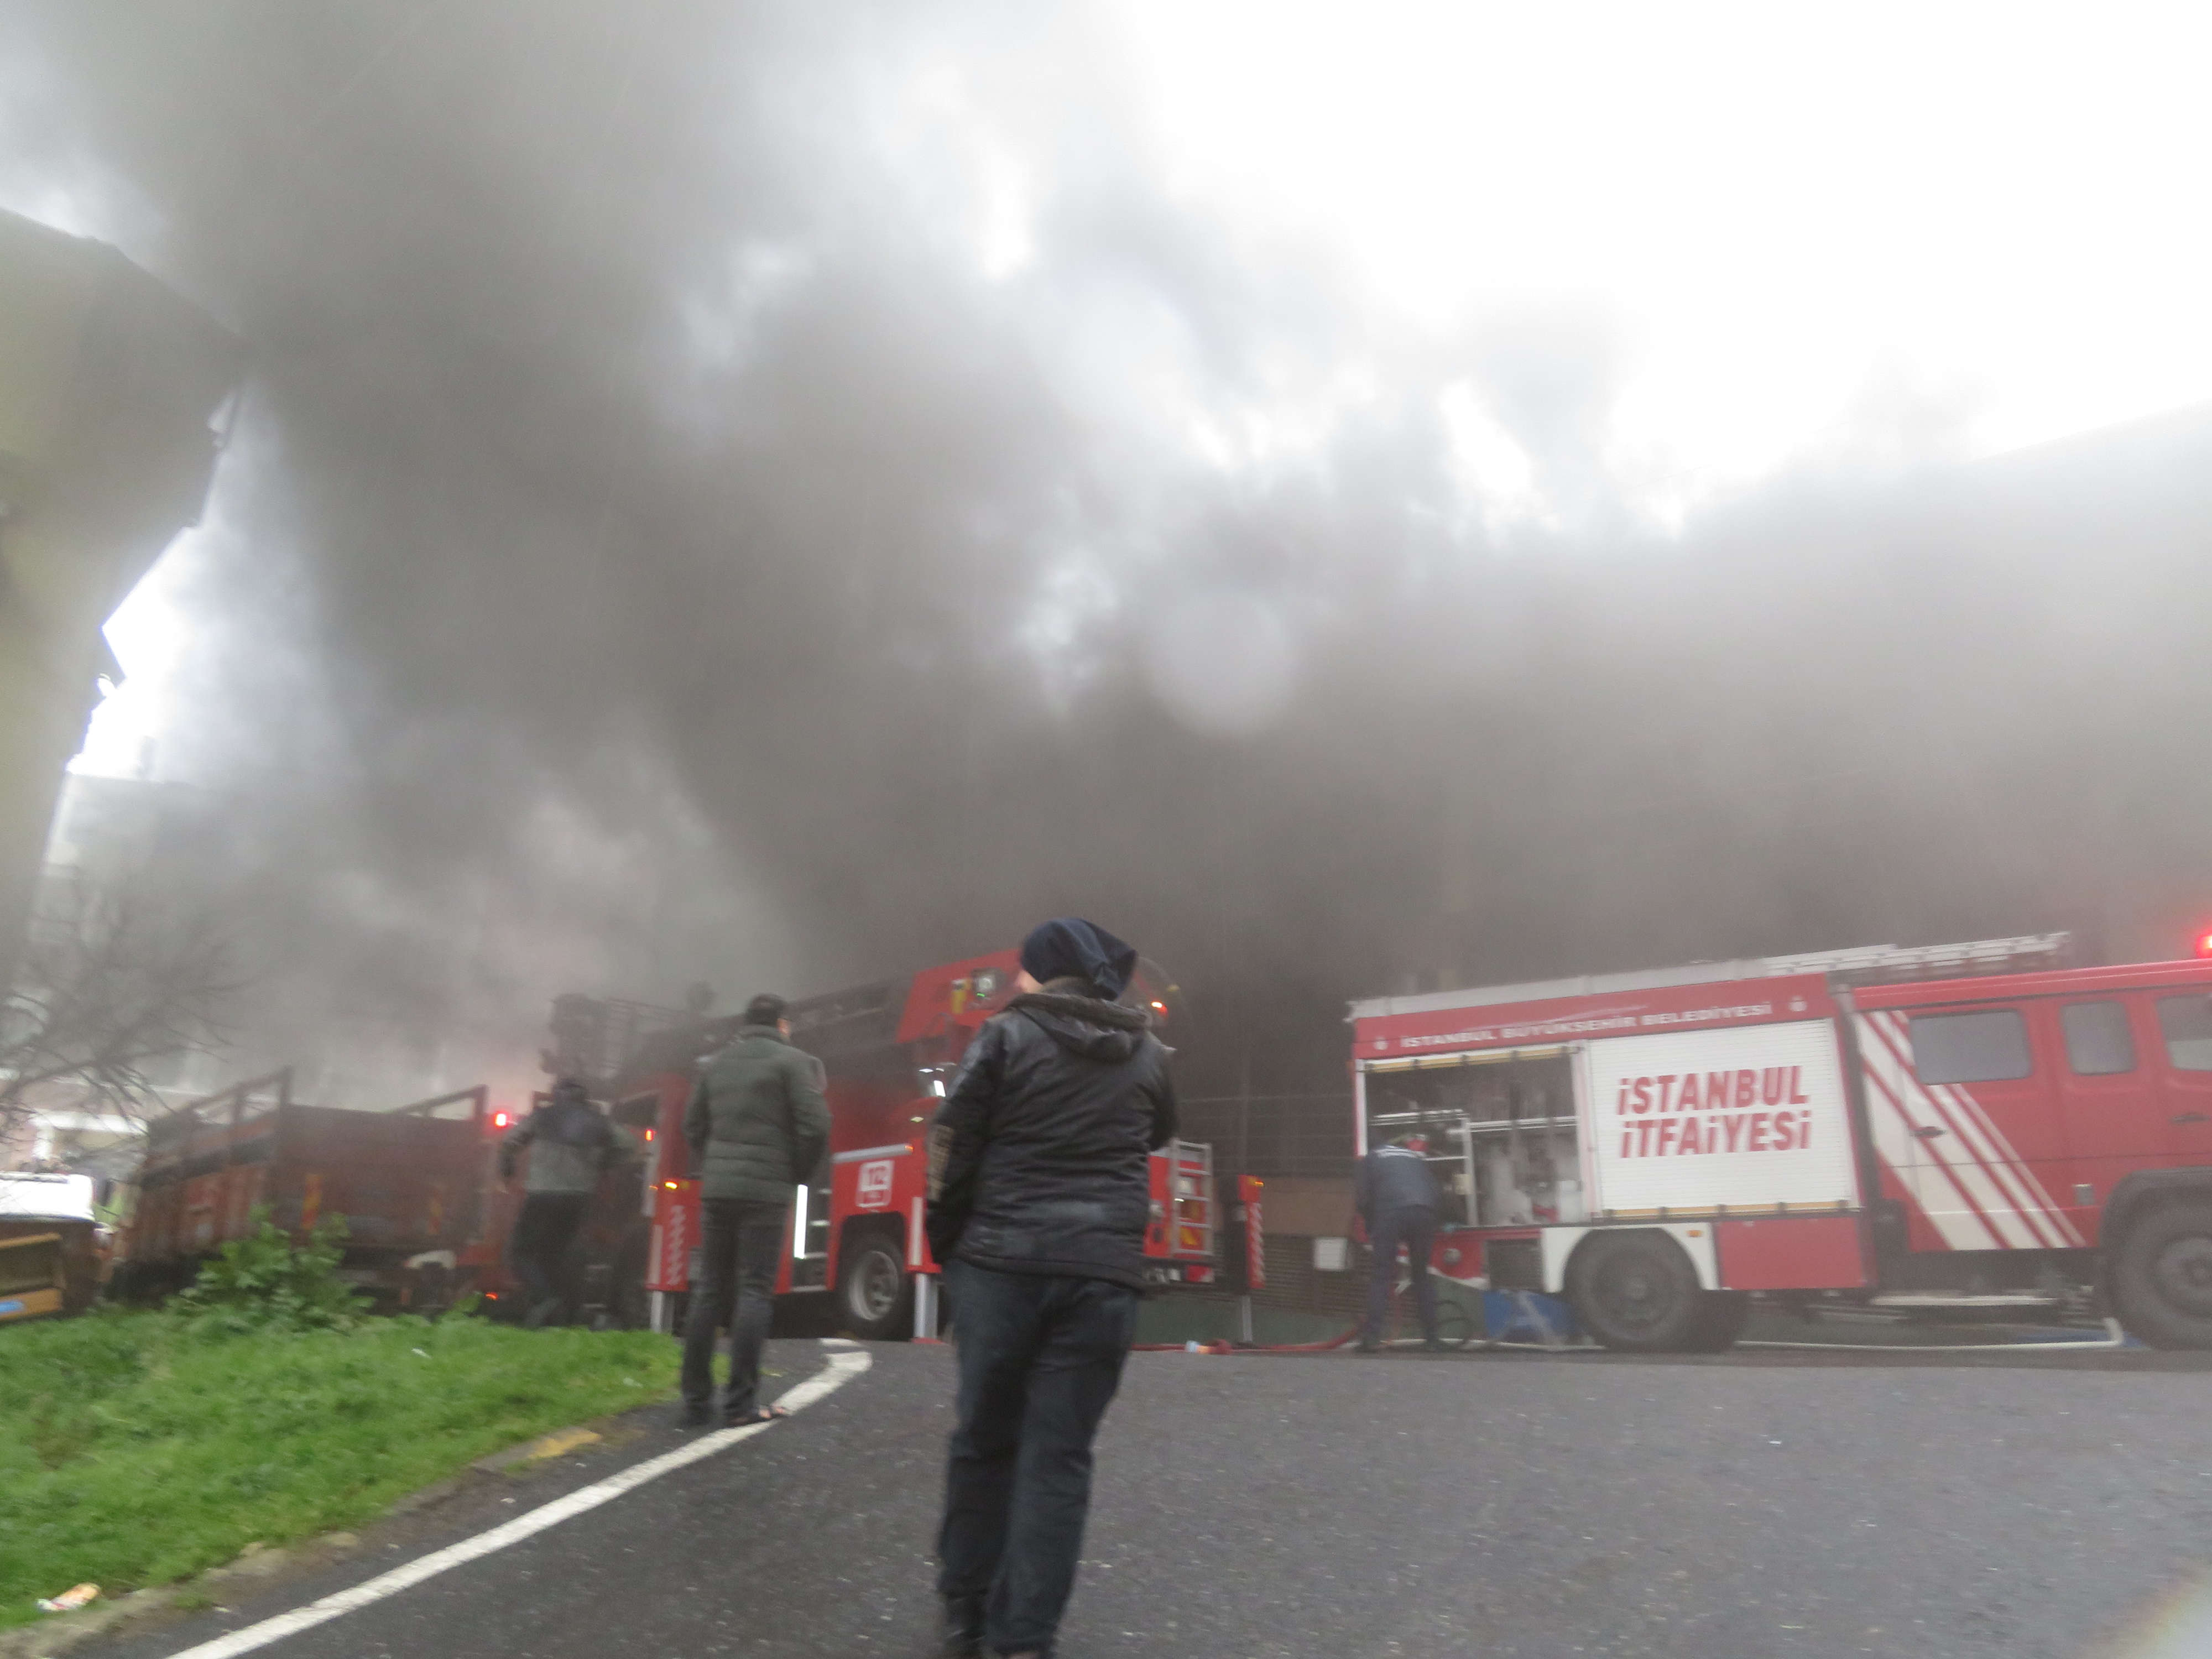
[[1501, 1130]]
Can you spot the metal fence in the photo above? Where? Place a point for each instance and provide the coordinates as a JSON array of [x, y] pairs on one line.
[[1277, 1135]]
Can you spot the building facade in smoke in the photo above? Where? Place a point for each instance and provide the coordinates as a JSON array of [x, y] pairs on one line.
[[109, 384]]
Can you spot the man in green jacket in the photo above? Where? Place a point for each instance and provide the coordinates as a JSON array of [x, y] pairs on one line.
[[757, 1127]]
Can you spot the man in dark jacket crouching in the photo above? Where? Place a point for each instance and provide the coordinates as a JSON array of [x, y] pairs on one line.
[[1038, 1216]]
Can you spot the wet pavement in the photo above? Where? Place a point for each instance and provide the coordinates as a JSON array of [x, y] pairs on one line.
[[1734, 1507]]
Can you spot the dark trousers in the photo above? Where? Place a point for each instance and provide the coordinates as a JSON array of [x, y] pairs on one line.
[[1041, 1355], [1417, 1231], [742, 1247], [538, 1250]]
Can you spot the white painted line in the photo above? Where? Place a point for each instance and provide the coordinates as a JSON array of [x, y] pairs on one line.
[[842, 1368]]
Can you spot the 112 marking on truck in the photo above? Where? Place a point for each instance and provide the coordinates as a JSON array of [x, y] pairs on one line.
[[1952, 1124]]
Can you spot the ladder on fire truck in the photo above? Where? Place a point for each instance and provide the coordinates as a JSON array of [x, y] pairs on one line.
[[1864, 964], [1887, 964]]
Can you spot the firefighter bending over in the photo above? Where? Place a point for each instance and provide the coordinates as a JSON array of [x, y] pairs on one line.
[[569, 1144], [1397, 1200]]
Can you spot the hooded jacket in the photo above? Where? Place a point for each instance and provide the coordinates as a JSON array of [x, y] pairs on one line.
[[569, 1144], [1046, 1137], [757, 1123]]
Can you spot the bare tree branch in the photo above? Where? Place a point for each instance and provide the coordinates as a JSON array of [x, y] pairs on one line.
[[108, 993]]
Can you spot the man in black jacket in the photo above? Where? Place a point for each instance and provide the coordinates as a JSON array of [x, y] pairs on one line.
[[1397, 1200], [570, 1144], [1038, 1216]]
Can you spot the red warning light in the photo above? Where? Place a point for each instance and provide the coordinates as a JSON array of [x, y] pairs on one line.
[[501, 1119], [2204, 943]]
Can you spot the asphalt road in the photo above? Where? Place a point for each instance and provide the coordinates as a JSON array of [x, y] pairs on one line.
[[1747, 1507]]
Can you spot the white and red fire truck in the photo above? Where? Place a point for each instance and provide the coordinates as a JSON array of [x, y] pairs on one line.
[[1961, 1124], [888, 1051]]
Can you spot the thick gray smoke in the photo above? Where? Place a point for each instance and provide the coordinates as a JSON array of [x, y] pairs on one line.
[[655, 548]]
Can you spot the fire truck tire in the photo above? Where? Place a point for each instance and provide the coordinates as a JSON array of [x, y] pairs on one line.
[[875, 1297], [1635, 1291], [2162, 1277], [1721, 1318]]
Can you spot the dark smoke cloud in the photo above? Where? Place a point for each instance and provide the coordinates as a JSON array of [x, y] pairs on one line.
[[653, 550]]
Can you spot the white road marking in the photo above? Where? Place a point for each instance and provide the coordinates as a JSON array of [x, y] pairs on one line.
[[842, 1368]]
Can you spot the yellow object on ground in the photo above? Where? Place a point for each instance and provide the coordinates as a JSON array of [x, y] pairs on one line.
[[553, 1445]]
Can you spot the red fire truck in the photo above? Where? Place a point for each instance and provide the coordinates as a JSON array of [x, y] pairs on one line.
[[1976, 1124], [888, 1051]]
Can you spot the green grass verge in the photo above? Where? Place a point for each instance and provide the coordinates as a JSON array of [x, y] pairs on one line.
[[132, 1453]]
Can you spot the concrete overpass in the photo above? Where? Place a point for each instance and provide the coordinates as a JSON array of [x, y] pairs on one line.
[[111, 388]]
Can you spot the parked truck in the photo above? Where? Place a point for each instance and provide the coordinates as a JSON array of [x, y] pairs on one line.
[[409, 1183], [1960, 1126], [49, 1247]]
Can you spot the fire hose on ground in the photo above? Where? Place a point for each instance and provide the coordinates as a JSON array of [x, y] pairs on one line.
[[2113, 1340]]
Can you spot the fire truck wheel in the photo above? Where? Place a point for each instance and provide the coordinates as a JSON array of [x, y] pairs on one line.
[[1721, 1317], [2163, 1278], [1637, 1291], [874, 1295]]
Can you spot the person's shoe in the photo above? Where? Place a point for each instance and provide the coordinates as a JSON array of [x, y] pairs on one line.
[[1368, 1345], [757, 1415], [538, 1316], [1431, 1345], [962, 1636], [695, 1416]]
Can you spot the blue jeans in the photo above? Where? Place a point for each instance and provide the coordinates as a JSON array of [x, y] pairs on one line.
[[1417, 1231], [1040, 1356]]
